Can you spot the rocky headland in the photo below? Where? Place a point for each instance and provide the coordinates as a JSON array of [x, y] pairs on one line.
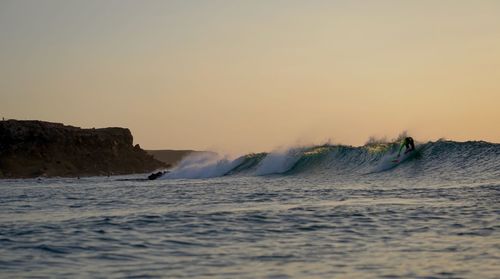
[[31, 149]]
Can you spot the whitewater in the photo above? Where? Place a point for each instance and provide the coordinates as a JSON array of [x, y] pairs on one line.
[[327, 211]]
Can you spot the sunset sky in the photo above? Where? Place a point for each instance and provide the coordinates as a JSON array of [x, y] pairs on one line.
[[252, 75]]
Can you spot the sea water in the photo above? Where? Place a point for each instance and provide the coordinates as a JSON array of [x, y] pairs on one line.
[[318, 212]]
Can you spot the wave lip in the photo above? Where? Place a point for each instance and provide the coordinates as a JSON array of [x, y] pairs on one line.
[[247, 163]]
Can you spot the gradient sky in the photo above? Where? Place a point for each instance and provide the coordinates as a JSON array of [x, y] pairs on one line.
[[255, 75]]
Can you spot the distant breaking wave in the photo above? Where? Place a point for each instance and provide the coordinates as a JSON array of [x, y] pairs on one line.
[[443, 158]]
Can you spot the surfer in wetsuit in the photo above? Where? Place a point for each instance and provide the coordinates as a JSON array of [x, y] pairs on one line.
[[409, 144]]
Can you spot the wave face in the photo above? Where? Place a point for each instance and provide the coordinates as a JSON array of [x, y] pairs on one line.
[[446, 159]]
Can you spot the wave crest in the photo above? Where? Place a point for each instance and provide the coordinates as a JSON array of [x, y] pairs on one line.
[[442, 156]]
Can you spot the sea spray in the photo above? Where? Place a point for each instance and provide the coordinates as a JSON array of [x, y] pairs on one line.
[[203, 166], [452, 158]]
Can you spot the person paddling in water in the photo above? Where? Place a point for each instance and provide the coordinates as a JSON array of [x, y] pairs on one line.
[[409, 144]]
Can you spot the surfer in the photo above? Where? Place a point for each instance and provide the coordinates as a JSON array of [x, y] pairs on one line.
[[409, 144]]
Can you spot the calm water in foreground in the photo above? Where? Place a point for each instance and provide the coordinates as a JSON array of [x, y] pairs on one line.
[[412, 221]]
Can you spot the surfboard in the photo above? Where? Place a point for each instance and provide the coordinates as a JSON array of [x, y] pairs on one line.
[[403, 157]]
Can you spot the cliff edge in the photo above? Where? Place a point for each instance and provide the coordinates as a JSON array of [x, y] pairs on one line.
[[36, 148]]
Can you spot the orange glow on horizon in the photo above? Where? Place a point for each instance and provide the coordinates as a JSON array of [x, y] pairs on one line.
[[251, 76]]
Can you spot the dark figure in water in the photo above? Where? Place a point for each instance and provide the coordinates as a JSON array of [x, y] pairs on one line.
[[154, 176], [409, 144]]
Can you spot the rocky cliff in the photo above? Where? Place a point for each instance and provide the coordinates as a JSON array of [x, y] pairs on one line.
[[37, 148]]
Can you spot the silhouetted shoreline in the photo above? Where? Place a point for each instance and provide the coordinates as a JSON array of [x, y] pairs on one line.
[[31, 148]]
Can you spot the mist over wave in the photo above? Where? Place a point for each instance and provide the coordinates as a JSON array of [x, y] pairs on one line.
[[203, 165], [440, 158]]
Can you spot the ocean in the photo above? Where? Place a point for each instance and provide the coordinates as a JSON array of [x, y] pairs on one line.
[[307, 212]]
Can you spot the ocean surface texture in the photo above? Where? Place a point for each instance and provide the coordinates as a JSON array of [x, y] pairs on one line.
[[309, 212]]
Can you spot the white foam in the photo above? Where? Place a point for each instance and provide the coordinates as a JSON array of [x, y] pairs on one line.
[[203, 166]]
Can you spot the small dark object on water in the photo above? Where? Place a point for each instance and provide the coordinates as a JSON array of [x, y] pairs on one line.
[[154, 176]]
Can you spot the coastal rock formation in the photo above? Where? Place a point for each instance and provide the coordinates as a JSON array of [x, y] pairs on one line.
[[37, 148]]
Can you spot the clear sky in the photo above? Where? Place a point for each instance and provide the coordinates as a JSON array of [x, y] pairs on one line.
[[254, 75]]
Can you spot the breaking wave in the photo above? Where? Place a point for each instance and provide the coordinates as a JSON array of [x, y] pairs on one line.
[[443, 158]]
